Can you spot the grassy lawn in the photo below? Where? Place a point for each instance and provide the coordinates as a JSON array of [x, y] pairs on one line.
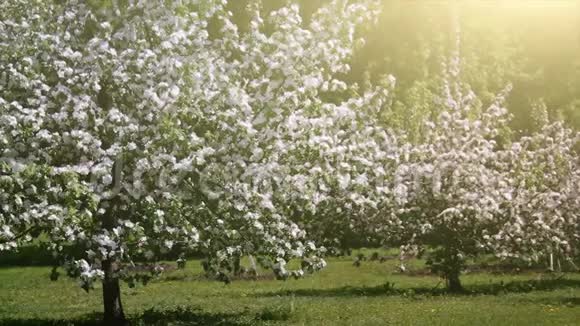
[[342, 294]]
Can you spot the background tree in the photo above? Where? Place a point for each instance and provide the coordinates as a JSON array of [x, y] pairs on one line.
[[543, 216], [448, 193]]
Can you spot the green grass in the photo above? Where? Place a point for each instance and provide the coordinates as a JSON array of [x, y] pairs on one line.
[[340, 295]]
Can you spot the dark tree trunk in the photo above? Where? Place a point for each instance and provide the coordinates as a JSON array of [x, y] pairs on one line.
[[453, 282], [453, 263], [114, 314], [237, 266]]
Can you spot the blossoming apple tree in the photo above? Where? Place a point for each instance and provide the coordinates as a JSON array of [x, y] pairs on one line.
[[467, 189], [543, 213], [128, 129], [448, 192]]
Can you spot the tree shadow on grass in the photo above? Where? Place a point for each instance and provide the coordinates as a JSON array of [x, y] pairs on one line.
[[174, 316], [390, 289], [192, 316], [567, 301], [92, 319]]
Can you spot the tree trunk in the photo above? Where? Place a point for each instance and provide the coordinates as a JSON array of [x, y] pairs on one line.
[[113, 308], [237, 266], [453, 282], [114, 314]]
